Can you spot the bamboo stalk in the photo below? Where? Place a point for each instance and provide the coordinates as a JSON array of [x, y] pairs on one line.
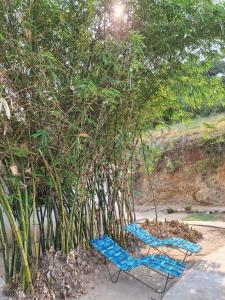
[[36, 242], [71, 226], [24, 231], [5, 245], [150, 182], [17, 234]]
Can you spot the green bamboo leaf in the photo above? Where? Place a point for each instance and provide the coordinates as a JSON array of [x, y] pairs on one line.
[[41, 135]]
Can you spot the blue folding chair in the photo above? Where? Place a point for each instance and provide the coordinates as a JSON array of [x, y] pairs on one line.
[[163, 265], [154, 242]]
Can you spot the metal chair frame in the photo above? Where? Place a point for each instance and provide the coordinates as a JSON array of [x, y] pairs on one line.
[[114, 278], [186, 253], [164, 266]]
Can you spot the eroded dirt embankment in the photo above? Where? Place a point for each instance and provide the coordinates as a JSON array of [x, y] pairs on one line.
[[192, 171]]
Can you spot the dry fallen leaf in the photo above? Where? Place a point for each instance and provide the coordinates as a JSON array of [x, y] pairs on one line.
[[172, 228], [5, 128], [83, 134], [14, 170], [20, 17], [28, 171], [4, 105], [28, 34]]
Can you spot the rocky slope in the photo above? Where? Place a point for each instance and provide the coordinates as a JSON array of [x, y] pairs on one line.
[[191, 171]]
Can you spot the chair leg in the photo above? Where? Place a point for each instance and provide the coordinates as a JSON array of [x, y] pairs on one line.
[[149, 250], [186, 254], [164, 288], [140, 252], [115, 276], [149, 286], [136, 248]]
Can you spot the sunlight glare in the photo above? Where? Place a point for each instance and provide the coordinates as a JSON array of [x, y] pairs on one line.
[[118, 10]]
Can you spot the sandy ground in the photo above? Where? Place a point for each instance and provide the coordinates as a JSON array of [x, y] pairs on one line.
[[99, 286], [146, 211]]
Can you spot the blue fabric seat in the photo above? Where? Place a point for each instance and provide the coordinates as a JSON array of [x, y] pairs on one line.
[[153, 241], [125, 262]]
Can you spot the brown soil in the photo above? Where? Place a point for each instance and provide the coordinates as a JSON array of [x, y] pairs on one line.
[[187, 173]]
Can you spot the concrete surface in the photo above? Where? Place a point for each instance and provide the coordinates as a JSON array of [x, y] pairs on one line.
[[2, 297], [205, 281], [101, 288]]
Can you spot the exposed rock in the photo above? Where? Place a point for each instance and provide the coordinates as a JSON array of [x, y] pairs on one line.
[[194, 176]]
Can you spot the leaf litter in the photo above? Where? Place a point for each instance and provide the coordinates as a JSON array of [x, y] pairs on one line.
[[61, 276], [172, 228], [65, 276]]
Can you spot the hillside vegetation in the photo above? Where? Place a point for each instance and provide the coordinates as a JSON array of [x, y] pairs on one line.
[[187, 163], [193, 129]]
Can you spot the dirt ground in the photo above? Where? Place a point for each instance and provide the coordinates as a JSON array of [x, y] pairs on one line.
[[146, 211], [99, 286]]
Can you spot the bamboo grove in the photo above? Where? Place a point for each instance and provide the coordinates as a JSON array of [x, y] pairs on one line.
[[76, 90]]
